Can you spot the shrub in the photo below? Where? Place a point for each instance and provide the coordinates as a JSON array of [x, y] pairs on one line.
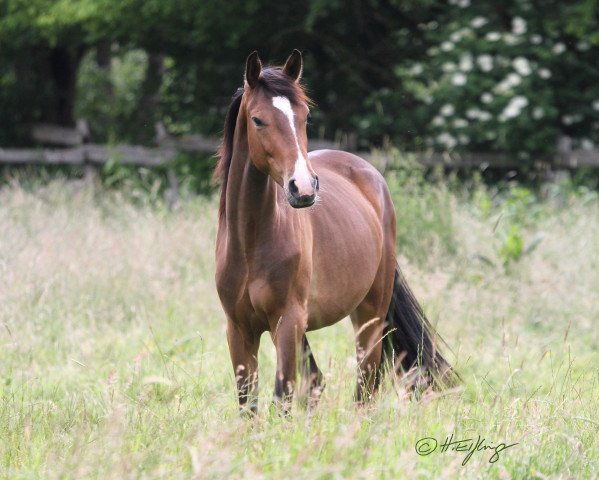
[[508, 78]]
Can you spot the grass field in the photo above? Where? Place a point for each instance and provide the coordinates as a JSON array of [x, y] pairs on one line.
[[114, 363]]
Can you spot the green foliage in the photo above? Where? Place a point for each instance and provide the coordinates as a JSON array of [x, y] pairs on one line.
[[508, 78], [520, 211], [512, 245], [515, 214], [205, 44], [456, 75], [109, 97]]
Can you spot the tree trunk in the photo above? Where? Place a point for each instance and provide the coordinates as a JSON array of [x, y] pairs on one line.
[[147, 109], [64, 64]]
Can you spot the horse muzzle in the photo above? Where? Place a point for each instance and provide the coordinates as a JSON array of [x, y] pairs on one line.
[[301, 196]]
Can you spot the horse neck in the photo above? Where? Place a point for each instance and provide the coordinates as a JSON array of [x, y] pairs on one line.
[[251, 197]]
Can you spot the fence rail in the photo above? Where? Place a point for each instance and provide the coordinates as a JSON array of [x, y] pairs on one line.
[[80, 151], [89, 154]]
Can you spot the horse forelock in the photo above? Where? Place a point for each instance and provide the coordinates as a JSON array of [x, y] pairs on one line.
[[274, 81]]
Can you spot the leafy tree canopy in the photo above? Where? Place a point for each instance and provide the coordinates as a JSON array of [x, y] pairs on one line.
[[453, 74]]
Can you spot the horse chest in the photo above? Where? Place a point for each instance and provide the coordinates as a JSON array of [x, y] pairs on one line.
[[263, 281], [277, 275]]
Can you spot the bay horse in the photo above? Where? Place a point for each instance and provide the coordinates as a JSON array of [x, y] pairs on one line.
[[293, 257]]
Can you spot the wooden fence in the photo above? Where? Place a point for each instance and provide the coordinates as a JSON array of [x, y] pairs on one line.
[[77, 149]]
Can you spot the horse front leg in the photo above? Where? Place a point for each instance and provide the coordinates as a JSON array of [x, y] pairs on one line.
[[288, 333], [243, 347]]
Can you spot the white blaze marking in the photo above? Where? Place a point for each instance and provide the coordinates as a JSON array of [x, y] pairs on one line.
[[283, 104], [301, 166]]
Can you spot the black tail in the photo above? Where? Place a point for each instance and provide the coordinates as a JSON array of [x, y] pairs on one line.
[[409, 340]]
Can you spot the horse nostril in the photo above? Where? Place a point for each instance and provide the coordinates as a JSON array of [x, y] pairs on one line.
[[315, 183], [293, 187]]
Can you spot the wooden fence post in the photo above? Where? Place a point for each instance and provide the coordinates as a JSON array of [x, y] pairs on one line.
[[171, 194], [564, 149], [90, 171]]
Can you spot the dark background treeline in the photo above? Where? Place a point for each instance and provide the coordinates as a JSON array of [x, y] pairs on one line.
[[512, 77]]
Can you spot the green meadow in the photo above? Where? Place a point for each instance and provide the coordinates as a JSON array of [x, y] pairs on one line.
[[114, 361]]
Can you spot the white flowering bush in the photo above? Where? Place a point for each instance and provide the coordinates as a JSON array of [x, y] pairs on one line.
[[506, 78]]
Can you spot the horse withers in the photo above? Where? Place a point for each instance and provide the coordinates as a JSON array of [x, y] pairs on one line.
[[304, 240]]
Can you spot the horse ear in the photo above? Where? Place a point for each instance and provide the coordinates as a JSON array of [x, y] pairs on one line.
[[253, 67], [294, 65]]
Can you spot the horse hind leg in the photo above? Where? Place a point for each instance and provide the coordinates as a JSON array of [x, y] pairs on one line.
[[368, 320], [312, 384], [369, 317], [368, 323]]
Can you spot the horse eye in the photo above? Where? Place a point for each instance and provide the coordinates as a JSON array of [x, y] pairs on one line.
[[258, 122]]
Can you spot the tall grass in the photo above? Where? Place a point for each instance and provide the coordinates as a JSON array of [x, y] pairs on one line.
[[114, 364], [425, 211]]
